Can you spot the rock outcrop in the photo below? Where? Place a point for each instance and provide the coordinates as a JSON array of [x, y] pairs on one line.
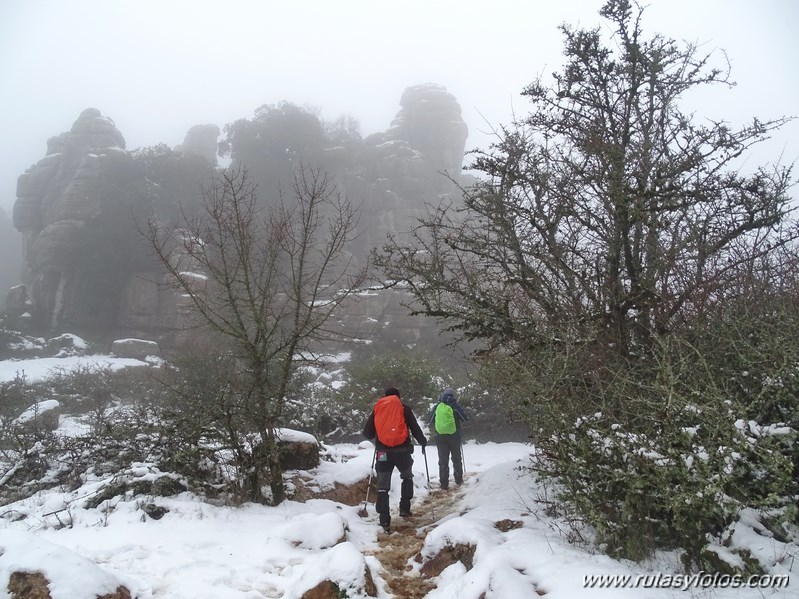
[[81, 208], [11, 251], [68, 208], [138, 349], [415, 163], [430, 122], [201, 140]]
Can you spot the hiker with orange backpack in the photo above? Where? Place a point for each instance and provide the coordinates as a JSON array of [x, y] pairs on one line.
[[445, 419], [388, 428]]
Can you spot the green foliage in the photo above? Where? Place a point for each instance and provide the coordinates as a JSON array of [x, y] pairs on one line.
[[419, 375], [492, 411], [280, 137], [661, 457], [339, 414], [173, 181], [13, 397]]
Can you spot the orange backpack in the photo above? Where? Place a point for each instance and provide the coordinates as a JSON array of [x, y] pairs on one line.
[[390, 421]]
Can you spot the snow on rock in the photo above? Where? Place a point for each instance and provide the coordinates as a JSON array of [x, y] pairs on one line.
[[315, 531], [67, 344], [288, 435], [135, 348], [343, 564], [300, 451], [70, 575]]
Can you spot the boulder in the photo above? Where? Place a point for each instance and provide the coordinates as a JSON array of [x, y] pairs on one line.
[[135, 348], [43, 415], [17, 301], [298, 450], [156, 512], [28, 563], [34, 585], [348, 494], [446, 557], [67, 344]]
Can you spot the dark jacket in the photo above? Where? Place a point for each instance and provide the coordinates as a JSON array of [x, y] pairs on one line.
[[413, 428], [448, 397]]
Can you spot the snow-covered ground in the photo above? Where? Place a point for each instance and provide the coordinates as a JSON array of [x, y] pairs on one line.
[[202, 551], [38, 369]]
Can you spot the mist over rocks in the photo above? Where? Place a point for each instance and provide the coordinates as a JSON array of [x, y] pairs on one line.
[[416, 162], [430, 121], [201, 140], [87, 267], [11, 264], [79, 210], [61, 204]]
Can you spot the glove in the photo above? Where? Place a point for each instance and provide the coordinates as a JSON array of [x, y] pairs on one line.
[[424, 446]]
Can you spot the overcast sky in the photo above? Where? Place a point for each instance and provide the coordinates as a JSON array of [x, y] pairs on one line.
[[157, 67]]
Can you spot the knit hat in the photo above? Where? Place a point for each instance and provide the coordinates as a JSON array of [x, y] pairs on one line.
[[447, 396], [391, 391]]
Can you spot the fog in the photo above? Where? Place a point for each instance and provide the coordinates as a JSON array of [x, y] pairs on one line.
[[157, 68]]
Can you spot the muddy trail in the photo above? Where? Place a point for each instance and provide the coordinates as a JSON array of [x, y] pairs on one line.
[[397, 549]]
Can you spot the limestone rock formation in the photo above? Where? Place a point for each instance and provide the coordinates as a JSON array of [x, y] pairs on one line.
[[70, 210], [430, 122], [421, 151], [11, 251], [80, 211], [415, 163], [201, 140]]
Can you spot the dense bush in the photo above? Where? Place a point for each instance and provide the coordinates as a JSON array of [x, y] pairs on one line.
[[338, 413], [116, 419], [665, 449]]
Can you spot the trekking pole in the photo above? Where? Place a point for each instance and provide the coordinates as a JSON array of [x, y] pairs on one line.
[[362, 512], [463, 458], [426, 469], [429, 490]]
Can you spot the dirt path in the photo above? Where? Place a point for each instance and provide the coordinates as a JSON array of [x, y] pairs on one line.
[[406, 539]]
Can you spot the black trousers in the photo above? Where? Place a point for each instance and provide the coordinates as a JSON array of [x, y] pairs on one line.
[[449, 446], [385, 461]]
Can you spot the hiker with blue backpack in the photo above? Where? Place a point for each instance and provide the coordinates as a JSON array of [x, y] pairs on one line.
[[445, 419], [388, 428]]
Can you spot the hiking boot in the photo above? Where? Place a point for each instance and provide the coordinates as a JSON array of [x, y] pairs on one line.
[[445, 487], [385, 524], [406, 513]]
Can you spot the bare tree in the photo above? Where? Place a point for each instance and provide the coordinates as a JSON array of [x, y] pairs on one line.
[[265, 280]]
